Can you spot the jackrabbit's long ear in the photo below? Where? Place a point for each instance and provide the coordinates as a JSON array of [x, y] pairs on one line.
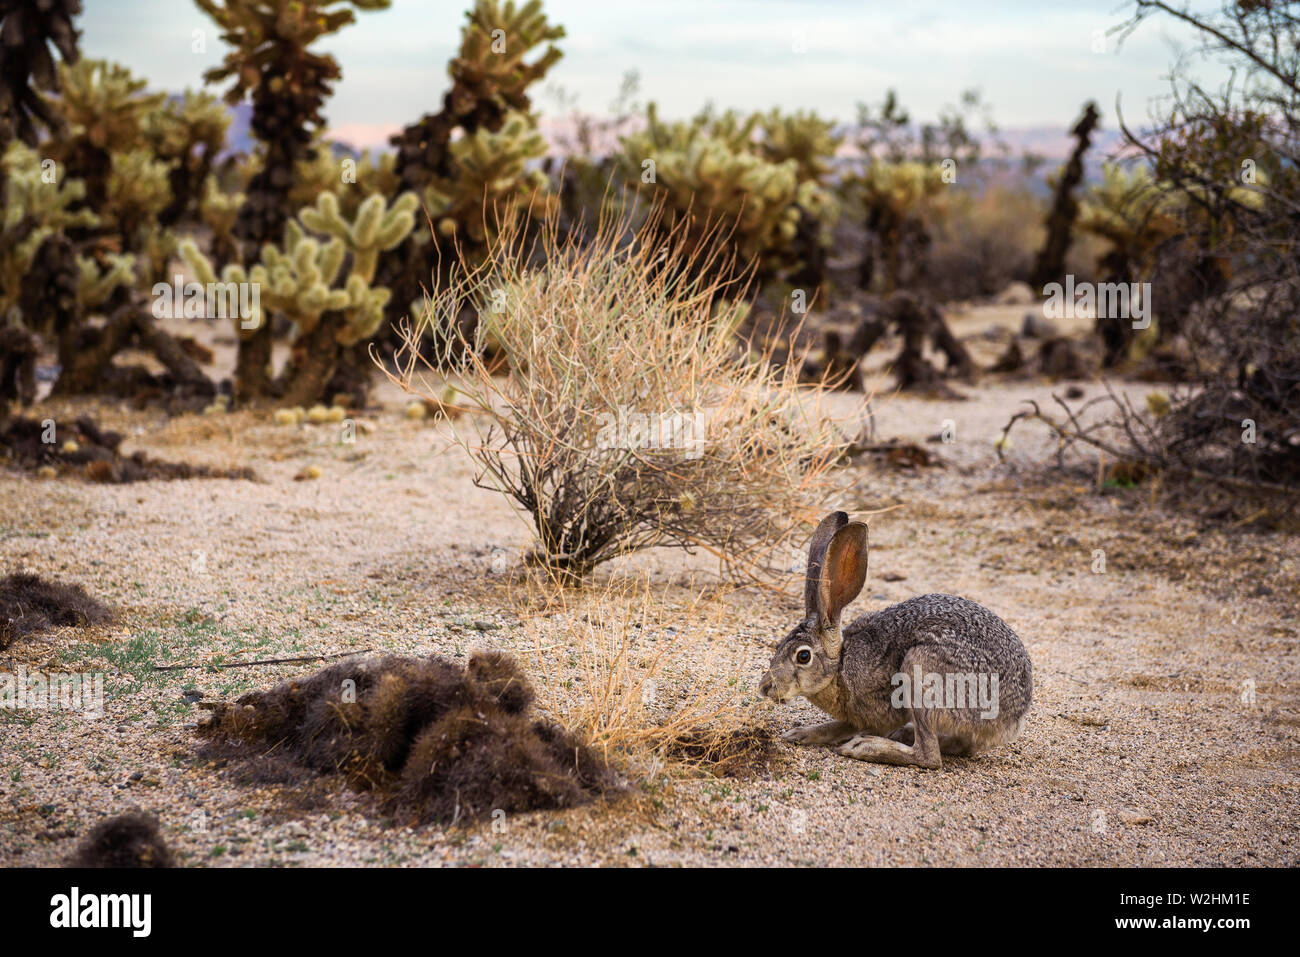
[[821, 541], [846, 570]]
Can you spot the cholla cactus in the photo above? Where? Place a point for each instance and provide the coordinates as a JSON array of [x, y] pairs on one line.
[[187, 134], [492, 181], [376, 227], [351, 179], [490, 68], [287, 83], [271, 64], [803, 137], [33, 211], [490, 75], [896, 197], [302, 279], [104, 108], [712, 172], [135, 194], [1132, 211]]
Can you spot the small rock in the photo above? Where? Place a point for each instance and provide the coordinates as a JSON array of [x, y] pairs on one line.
[[1130, 816]]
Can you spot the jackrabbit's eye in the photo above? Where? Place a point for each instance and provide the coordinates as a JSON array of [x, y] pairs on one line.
[[803, 656]]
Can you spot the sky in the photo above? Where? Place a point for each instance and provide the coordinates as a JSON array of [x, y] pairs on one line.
[[1035, 63]]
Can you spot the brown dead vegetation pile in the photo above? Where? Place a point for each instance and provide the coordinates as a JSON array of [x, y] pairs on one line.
[[94, 452], [128, 840], [433, 741], [29, 603]]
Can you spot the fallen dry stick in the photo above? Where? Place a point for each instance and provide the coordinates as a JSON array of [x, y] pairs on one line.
[[265, 661]]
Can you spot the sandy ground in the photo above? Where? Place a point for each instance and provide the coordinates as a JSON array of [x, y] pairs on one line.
[[1143, 747]]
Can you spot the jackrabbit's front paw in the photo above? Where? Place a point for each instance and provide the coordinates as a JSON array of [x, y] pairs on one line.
[[798, 735], [816, 735]]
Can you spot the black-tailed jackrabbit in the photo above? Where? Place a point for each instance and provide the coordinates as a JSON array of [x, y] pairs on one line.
[[932, 675]]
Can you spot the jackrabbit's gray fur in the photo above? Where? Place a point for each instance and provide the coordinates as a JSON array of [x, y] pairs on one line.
[[929, 676]]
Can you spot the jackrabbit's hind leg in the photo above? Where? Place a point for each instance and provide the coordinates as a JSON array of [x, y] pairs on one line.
[[817, 735], [923, 752]]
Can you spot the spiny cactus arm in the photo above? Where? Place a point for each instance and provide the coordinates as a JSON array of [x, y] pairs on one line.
[[219, 210], [365, 313], [202, 267], [365, 228], [397, 222], [324, 217], [95, 284], [378, 229], [330, 261]]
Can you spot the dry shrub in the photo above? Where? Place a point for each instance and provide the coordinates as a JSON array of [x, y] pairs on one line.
[[1108, 436], [29, 603], [435, 742], [128, 840], [643, 679], [612, 401]]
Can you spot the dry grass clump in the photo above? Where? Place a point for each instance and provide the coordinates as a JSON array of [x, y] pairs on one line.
[[740, 752], [645, 680], [435, 742], [613, 402], [29, 603], [128, 840]]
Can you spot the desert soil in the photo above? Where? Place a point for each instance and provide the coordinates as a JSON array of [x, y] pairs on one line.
[[1144, 746]]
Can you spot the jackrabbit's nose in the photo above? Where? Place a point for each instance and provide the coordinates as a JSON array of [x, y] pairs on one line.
[[765, 687]]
